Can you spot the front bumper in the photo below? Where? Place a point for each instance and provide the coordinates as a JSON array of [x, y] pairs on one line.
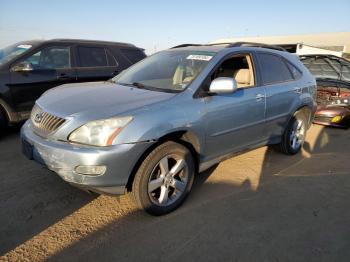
[[63, 158]]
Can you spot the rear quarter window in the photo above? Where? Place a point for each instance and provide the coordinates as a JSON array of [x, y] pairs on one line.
[[294, 70], [273, 69]]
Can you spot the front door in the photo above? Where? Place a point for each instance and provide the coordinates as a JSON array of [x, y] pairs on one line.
[[49, 67], [235, 121]]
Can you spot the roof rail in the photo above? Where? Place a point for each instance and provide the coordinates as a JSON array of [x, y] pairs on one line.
[[185, 45], [237, 44], [90, 41], [252, 44]]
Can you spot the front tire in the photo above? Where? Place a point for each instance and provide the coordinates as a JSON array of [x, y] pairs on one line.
[[164, 179], [3, 122], [294, 135]]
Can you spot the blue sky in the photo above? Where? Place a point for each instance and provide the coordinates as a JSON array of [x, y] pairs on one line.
[[155, 25]]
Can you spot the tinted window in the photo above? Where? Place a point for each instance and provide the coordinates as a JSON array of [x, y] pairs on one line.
[[133, 55], [273, 69], [111, 59], [92, 56], [50, 58]]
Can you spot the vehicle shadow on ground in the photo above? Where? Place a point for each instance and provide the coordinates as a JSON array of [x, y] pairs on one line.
[[259, 206], [31, 198], [276, 208]]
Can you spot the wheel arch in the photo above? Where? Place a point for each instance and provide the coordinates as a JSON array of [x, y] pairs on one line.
[[307, 111], [305, 108], [4, 110], [184, 137]]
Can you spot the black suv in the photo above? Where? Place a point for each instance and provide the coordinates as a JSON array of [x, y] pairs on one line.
[[28, 69]]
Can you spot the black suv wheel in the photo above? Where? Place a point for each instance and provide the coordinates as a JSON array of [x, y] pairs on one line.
[[3, 122]]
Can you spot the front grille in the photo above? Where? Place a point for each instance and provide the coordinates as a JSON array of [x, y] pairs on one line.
[[43, 122]]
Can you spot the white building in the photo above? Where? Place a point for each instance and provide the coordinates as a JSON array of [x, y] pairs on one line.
[[331, 43]]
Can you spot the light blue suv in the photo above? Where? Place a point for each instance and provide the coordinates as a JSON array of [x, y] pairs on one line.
[[150, 129]]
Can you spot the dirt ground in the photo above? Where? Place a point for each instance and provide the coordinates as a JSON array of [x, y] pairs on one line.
[[259, 206]]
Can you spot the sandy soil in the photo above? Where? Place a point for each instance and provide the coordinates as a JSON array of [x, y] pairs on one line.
[[259, 206]]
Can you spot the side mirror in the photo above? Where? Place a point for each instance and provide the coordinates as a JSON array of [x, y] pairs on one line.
[[22, 67], [223, 85]]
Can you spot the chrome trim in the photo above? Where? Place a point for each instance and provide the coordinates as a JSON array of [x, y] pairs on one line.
[[44, 123]]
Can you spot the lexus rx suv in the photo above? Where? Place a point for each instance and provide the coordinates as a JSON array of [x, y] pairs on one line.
[[154, 126], [28, 69]]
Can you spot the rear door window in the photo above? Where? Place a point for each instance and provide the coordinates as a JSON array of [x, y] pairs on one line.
[[133, 55], [92, 56], [273, 69]]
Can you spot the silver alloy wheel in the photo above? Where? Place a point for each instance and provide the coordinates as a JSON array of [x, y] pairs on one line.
[[298, 134], [168, 180]]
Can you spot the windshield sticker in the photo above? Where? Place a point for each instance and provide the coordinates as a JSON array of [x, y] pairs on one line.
[[200, 57], [24, 46]]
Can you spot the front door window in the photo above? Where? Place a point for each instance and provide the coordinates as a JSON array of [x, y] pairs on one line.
[[238, 67], [55, 57]]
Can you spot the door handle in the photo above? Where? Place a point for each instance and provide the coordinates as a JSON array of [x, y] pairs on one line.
[[298, 90], [259, 97], [63, 77]]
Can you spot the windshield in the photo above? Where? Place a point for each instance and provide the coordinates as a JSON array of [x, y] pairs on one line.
[[7, 53], [166, 71]]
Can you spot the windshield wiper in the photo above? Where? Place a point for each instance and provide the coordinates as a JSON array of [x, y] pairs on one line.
[[136, 84]]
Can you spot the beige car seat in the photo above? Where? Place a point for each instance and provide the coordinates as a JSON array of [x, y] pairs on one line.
[[242, 76], [179, 76]]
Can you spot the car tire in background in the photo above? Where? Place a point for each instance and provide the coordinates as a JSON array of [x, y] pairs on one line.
[[294, 135], [3, 122], [164, 179]]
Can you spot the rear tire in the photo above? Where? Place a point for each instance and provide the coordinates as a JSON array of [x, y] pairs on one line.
[[164, 179], [294, 135]]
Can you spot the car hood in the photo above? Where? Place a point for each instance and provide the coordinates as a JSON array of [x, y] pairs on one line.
[[98, 98], [327, 67]]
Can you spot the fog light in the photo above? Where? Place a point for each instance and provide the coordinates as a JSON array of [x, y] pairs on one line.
[[91, 170], [336, 119]]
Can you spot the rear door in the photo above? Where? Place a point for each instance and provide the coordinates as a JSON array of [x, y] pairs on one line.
[[51, 66], [95, 63], [282, 92]]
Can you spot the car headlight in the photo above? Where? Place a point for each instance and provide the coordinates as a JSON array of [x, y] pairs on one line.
[[99, 132]]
